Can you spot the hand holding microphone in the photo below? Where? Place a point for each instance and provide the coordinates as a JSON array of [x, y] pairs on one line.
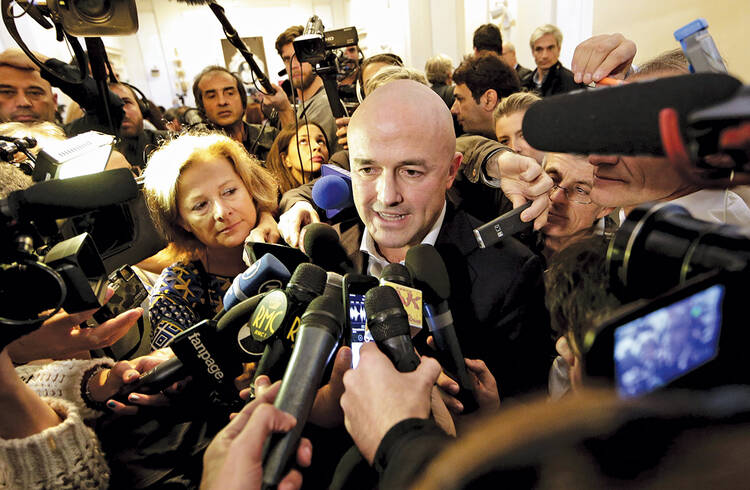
[[377, 397]]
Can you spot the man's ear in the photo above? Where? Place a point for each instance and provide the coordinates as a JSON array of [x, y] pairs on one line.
[[489, 100], [453, 170]]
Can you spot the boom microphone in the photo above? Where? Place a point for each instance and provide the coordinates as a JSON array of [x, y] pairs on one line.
[[429, 274], [389, 326], [322, 324], [621, 120], [63, 198]]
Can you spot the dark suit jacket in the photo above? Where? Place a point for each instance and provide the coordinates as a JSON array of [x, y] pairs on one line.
[[497, 302]]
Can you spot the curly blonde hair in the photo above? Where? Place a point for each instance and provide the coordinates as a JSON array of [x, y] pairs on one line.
[[166, 165]]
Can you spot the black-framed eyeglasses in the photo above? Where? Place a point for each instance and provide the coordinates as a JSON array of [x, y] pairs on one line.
[[577, 194]]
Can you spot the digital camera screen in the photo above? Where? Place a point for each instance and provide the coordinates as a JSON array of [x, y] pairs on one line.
[[665, 344], [358, 325]]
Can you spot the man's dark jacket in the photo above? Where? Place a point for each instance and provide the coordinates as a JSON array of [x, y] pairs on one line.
[[559, 80], [497, 302]]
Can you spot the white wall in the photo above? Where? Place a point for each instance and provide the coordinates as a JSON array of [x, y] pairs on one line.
[[413, 29]]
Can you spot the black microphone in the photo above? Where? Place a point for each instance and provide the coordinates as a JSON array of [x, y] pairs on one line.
[[322, 325], [323, 246], [397, 273], [276, 321], [389, 326], [429, 274], [622, 120], [233, 334], [63, 198]]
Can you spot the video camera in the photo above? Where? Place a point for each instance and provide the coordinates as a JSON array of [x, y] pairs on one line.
[[41, 271], [316, 46], [685, 324]]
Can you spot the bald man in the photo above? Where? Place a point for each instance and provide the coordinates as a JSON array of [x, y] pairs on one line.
[[402, 165]]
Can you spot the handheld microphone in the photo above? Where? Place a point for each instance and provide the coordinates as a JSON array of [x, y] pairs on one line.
[[430, 275], [332, 193], [322, 324], [233, 335], [64, 198], [276, 320], [264, 275], [397, 273], [397, 276], [322, 245], [389, 326]]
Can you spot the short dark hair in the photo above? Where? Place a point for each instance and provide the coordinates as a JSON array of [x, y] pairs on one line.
[[288, 36], [487, 37], [577, 285], [484, 72], [197, 91]]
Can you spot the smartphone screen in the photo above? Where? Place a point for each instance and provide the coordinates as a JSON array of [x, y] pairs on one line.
[[652, 351], [357, 325]]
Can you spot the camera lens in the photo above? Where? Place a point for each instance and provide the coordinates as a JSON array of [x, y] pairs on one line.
[[94, 9]]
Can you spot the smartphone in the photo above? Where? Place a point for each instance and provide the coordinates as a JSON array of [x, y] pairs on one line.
[[355, 331], [290, 257]]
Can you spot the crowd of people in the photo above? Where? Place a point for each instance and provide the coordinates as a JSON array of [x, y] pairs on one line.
[[431, 156]]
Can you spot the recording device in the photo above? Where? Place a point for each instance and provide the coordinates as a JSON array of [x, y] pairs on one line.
[[691, 337], [276, 321], [664, 237], [321, 243], [129, 292], [312, 46], [319, 335], [508, 224], [232, 342], [265, 274], [397, 276], [69, 273], [290, 257], [699, 48], [11, 146], [89, 18], [355, 329], [429, 274], [685, 326], [389, 326], [316, 47], [86, 153], [684, 118], [333, 190]]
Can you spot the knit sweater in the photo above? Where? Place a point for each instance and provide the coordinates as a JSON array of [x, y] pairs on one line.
[[66, 456]]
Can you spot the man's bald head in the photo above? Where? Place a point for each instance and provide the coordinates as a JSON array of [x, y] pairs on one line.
[[405, 105], [403, 159]]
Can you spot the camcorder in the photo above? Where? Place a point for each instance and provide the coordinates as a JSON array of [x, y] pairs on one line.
[[683, 282], [317, 47], [65, 240], [681, 279]]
